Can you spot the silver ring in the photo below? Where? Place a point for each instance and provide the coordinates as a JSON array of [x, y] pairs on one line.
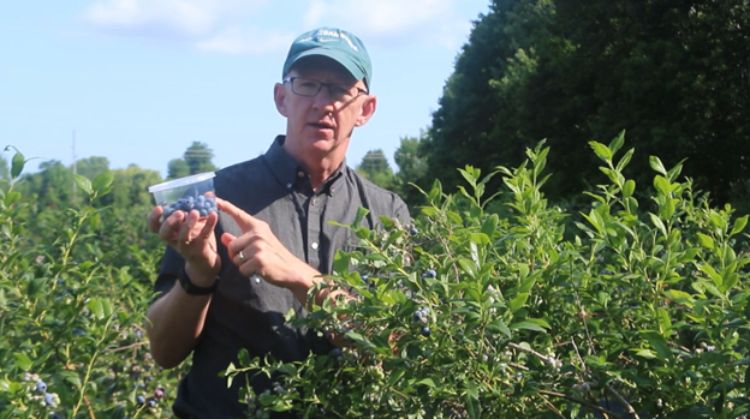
[[242, 256]]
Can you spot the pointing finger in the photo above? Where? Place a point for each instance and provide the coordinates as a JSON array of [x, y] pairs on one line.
[[243, 219]]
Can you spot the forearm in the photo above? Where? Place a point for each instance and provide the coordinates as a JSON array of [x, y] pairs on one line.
[[175, 323]]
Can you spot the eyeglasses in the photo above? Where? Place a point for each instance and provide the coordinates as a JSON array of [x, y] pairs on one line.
[[309, 87]]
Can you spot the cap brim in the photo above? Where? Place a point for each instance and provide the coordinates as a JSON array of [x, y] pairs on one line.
[[342, 59]]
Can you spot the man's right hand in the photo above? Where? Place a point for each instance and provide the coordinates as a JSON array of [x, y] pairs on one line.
[[193, 238]]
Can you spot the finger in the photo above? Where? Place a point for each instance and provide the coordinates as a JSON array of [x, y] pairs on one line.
[[226, 240], [243, 219], [208, 227], [170, 228], [187, 227], [154, 218]]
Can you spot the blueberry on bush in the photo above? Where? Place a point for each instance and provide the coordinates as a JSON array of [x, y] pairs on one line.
[[140, 399], [41, 386], [51, 399], [430, 273], [426, 331], [336, 353]]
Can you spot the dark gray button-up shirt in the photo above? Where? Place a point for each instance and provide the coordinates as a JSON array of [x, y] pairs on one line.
[[249, 312]]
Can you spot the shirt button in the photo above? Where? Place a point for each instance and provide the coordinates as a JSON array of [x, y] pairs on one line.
[[314, 245], [300, 174], [256, 278], [289, 186]]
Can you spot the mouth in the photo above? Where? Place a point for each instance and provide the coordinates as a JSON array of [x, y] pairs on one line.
[[323, 125]]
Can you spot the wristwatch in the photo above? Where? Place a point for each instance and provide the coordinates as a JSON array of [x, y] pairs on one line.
[[193, 289]]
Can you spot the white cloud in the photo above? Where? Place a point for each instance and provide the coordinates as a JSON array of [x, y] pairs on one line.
[[247, 27], [186, 18], [238, 40], [433, 22]]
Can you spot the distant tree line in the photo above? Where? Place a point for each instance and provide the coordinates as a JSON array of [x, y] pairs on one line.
[[675, 75]]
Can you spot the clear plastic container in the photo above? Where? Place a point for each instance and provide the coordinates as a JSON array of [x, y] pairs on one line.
[[194, 192]]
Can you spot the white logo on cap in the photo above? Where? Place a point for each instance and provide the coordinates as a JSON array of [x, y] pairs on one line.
[[326, 35]]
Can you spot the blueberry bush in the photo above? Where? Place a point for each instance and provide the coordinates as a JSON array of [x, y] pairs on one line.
[[74, 287], [635, 305], [493, 304]]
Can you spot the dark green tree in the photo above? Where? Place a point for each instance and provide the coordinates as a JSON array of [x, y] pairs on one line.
[[177, 168], [674, 75], [375, 167], [92, 166], [52, 186], [198, 158], [412, 168]]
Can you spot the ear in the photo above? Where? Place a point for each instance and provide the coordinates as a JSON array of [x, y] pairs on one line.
[[368, 109], [279, 97]]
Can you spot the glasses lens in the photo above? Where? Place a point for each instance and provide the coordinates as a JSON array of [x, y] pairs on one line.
[[305, 87]]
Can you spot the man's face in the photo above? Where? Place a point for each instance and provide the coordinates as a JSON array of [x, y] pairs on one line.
[[319, 126]]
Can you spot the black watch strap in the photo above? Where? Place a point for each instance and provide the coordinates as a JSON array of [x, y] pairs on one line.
[[193, 289]]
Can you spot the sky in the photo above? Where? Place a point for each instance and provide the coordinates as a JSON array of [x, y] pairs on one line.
[[138, 81]]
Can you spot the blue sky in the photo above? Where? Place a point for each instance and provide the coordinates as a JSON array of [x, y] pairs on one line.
[[139, 80]]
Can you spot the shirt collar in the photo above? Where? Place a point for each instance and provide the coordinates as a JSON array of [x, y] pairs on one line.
[[287, 171]]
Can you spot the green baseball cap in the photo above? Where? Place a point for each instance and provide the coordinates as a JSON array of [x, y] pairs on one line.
[[339, 45]]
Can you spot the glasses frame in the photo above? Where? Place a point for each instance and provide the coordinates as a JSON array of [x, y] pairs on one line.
[[290, 80]]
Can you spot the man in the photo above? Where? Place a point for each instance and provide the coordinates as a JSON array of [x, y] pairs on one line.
[[226, 282]]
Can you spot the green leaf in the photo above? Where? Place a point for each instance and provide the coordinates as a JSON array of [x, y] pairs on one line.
[[536, 325], [646, 353], [657, 165], [739, 225], [361, 340], [17, 164], [468, 266], [628, 188], [601, 150], [23, 362], [84, 183], [103, 182], [518, 301], [658, 223], [72, 378], [706, 241], [712, 274], [662, 185], [96, 308], [426, 382], [658, 343], [499, 326], [625, 160], [680, 297], [617, 142], [665, 322]]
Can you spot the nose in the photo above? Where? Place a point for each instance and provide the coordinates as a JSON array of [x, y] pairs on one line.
[[323, 99]]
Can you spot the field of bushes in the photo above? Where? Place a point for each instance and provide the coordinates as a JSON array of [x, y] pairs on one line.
[[493, 304]]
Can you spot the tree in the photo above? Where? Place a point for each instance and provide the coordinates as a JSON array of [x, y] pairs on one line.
[[177, 168], [675, 75], [92, 166], [412, 168], [52, 185], [375, 167], [198, 158]]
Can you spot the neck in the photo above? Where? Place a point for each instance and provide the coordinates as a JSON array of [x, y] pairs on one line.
[[321, 172]]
